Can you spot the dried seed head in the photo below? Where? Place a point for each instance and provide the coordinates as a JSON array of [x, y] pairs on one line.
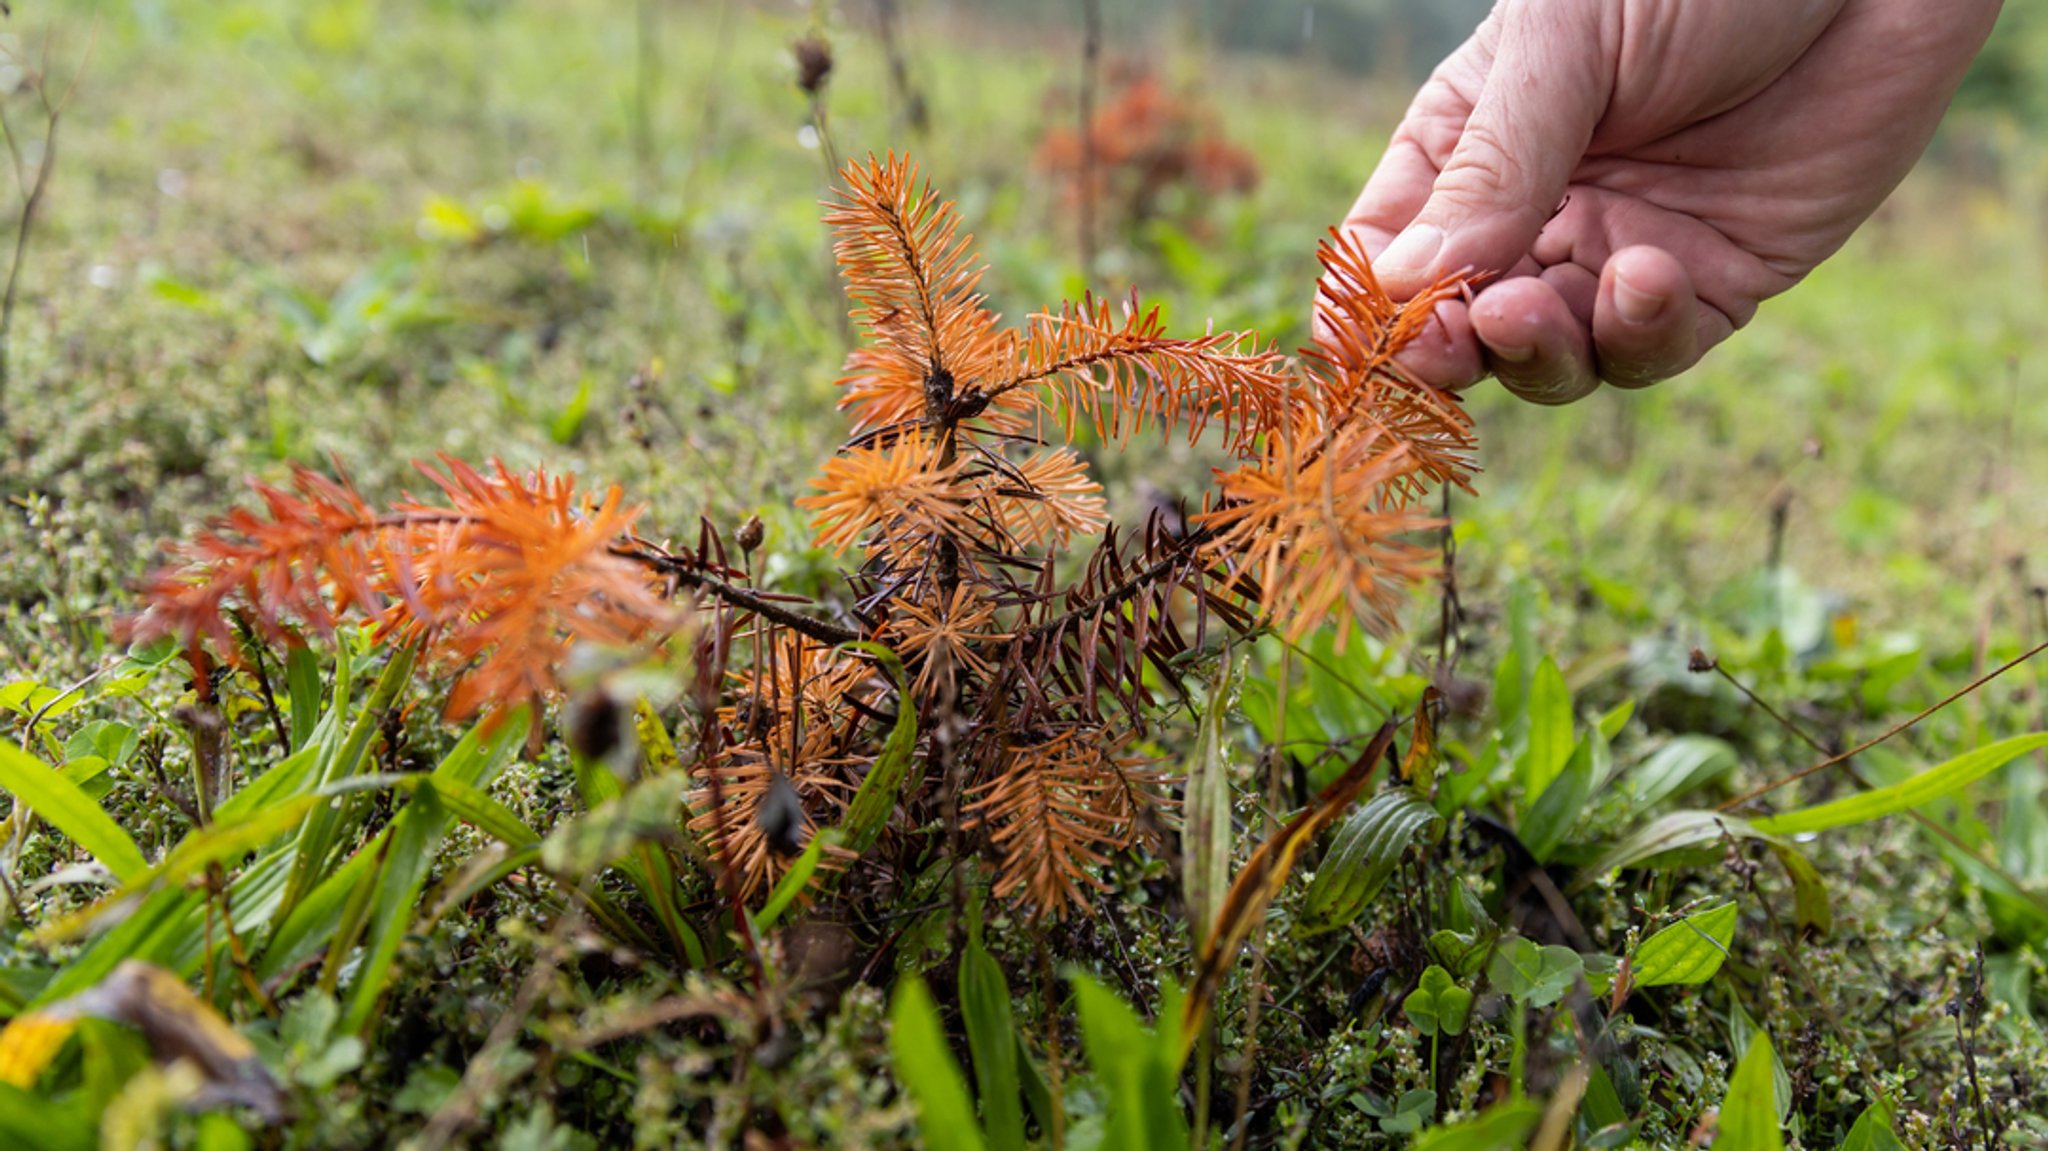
[[1700, 663], [813, 63], [750, 535]]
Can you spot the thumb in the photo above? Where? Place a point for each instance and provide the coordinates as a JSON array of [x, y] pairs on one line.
[[1544, 92]]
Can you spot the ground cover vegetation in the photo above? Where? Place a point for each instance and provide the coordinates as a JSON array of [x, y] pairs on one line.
[[553, 596]]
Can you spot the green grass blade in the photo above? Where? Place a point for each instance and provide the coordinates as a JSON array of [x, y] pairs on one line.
[[1929, 785], [792, 882], [876, 800], [925, 1067], [1749, 1114], [992, 1042], [39, 787]]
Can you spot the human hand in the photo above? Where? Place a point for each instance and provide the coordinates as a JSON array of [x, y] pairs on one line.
[[1632, 177]]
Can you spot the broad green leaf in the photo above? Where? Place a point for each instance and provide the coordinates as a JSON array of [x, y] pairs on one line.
[[882, 787], [1552, 816], [1550, 730], [1410, 1112], [1205, 840], [1500, 1126], [1872, 1131], [1689, 951], [1363, 855], [1923, 788], [925, 1067], [1749, 1113], [40, 788], [1538, 976], [992, 1043], [479, 809]]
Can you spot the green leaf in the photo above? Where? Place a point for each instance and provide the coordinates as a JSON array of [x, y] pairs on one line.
[[1696, 837], [992, 1042], [1139, 1073], [1689, 951], [302, 687], [792, 882], [567, 422], [917, 1043], [1438, 1005], [1538, 976], [1749, 1113], [1205, 840], [37, 786], [1872, 1131], [1501, 1126], [1554, 813], [1923, 788], [1550, 729], [1685, 763], [1617, 717], [29, 1120], [880, 790], [1462, 952], [1363, 855], [1411, 1111]]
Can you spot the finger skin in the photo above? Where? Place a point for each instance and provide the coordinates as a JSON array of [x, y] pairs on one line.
[[1652, 332], [1535, 347]]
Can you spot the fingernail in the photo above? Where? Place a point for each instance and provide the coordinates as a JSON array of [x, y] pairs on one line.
[[1513, 353], [1412, 253], [1635, 306]]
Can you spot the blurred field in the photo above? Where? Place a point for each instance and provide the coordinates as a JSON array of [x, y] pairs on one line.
[[230, 171]]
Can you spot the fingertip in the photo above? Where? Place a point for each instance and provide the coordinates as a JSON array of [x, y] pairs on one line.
[[1534, 345], [1645, 327]]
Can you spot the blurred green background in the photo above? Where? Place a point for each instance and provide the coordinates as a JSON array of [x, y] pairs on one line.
[[584, 233]]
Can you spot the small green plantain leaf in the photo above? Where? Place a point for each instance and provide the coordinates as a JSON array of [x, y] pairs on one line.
[[1502, 1125], [1363, 855], [1205, 845], [1689, 951]]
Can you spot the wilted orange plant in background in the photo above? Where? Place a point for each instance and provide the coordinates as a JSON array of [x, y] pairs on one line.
[[1143, 142], [1020, 622]]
